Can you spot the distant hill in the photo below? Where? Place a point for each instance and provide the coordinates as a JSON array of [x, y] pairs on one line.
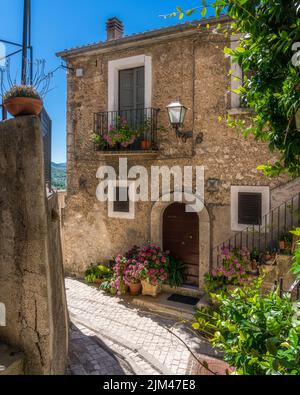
[[59, 175]]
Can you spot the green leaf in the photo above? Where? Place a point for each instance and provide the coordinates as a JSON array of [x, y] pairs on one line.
[[191, 11], [203, 12], [181, 15]]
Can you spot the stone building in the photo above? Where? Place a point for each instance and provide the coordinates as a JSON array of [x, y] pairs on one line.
[[137, 77]]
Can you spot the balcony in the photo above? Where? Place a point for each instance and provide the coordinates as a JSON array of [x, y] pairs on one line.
[[126, 130]]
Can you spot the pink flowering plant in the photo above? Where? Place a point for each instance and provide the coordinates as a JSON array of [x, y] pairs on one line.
[[132, 273], [120, 132], [155, 264], [231, 272], [120, 269]]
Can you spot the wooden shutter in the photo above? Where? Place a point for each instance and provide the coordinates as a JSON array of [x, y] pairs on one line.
[[121, 206], [126, 90], [132, 89], [250, 208]]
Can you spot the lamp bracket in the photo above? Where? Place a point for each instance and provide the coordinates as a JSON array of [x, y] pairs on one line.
[[184, 136]]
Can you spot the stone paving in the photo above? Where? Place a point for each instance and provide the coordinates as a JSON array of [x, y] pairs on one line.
[[111, 337]]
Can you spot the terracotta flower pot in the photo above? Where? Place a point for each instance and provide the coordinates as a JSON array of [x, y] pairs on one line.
[[149, 289], [145, 145], [17, 106], [281, 244], [135, 289]]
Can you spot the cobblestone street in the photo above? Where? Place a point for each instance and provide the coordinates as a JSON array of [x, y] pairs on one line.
[[111, 337]]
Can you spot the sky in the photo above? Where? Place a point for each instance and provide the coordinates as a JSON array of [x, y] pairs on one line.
[[62, 24]]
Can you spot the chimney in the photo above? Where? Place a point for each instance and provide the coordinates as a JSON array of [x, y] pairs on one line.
[[114, 28]]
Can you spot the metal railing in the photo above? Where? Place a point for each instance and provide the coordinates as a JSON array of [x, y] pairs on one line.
[[294, 289], [266, 236], [141, 120]]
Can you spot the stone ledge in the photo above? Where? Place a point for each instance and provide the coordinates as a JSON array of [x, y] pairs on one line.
[[11, 361], [147, 153], [239, 111]]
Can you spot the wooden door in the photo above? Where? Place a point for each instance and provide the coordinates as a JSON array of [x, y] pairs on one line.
[[181, 238]]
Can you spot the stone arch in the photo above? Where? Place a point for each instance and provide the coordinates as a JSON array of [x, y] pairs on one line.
[[204, 231]]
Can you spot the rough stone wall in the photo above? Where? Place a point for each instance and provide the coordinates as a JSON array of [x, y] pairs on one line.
[[193, 69], [31, 270]]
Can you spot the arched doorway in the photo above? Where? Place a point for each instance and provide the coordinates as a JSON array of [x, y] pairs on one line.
[[157, 214], [181, 238]]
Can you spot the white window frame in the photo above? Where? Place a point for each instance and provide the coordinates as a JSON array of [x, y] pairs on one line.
[[114, 66], [119, 214], [266, 204]]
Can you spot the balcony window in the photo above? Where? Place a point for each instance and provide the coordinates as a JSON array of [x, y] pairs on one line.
[[127, 130]]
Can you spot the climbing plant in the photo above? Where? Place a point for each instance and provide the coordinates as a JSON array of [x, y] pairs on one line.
[[268, 53]]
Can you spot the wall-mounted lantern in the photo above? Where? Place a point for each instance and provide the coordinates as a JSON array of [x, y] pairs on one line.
[[177, 113]]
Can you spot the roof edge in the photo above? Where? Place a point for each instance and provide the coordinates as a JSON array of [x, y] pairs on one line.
[[147, 35]]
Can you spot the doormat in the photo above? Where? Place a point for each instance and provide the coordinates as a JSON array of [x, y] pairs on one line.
[[183, 299]]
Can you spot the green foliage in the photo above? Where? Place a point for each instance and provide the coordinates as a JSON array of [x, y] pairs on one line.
[[296, 263], [98, 272], [59, 176], [271, 82], [99, 141], [107, 287], [176, 275], [258, 335]]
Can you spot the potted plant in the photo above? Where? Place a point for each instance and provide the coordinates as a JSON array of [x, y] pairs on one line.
[[281, 242], [132, 276], [285, 242], [98, 274], [119, 269], [145, 132], [146, 145], [155, 269], [176, 274], [22, 100], [99, 141], [120, 134]]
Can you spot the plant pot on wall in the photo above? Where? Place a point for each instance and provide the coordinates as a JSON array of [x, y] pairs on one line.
[[18, 106], [145, 145], [150, 290], [281, 244]]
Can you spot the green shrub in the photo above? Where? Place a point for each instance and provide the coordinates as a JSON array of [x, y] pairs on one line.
[[98, 272], [176, 275], [296, 262], [258, 335]]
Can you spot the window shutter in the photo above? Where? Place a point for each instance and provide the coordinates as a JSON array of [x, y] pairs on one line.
[[126, 88], [250, 208], [121, 207]]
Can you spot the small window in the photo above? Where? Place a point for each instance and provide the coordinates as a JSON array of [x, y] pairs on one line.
[[121, 206], [249, 208]]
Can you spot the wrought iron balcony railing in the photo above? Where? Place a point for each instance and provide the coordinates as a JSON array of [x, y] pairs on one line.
[[129, 130]]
